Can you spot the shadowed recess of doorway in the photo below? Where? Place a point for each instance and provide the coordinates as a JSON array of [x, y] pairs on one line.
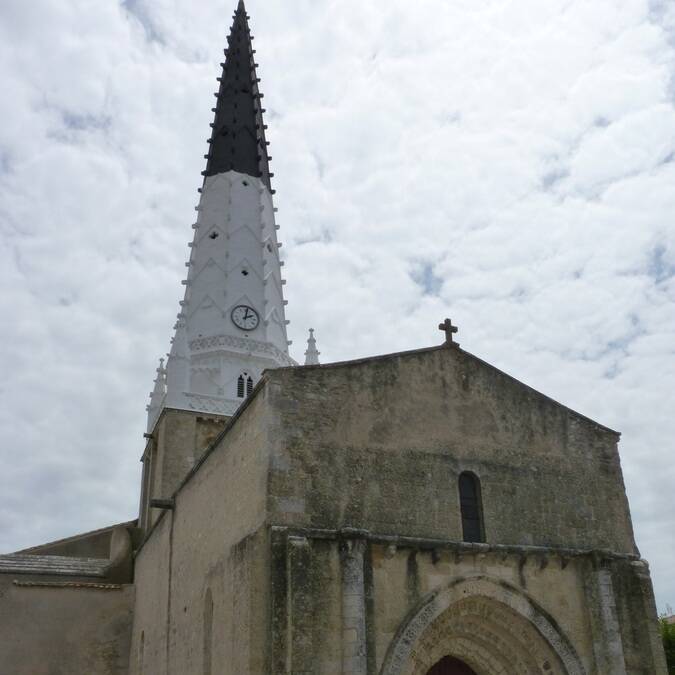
[[450, 666]]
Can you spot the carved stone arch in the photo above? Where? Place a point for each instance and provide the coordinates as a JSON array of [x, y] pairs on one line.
[[492, 626]]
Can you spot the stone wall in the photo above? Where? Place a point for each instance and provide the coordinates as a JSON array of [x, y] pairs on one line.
[[62, 627], [149, 648], [635, 608], [202, 574], [177, 442], [379, 445]]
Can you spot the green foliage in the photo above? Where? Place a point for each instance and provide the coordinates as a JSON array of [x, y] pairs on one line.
[[668, 637]]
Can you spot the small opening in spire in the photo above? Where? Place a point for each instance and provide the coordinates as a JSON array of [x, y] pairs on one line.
[[245, 183], [214, 235], [244, 273]]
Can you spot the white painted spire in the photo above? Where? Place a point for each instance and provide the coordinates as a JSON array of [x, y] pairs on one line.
[[232, 321], [311, 355]]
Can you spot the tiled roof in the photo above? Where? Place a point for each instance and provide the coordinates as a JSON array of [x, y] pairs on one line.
[[56, 565]]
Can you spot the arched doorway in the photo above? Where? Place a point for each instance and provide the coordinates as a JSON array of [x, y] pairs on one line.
[[488, 625], [449, 665]]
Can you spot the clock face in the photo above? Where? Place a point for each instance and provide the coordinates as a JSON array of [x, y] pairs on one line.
[[245, 317]]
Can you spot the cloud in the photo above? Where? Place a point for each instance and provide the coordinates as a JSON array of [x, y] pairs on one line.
[[506, 164]]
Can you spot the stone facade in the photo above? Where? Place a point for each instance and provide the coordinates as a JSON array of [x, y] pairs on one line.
[[319, 531], [500, 609], [379, 445]]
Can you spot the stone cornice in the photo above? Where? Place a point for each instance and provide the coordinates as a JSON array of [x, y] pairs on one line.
[[431, 544]]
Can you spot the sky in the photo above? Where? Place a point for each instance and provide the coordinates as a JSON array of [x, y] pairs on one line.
[[509, 164]]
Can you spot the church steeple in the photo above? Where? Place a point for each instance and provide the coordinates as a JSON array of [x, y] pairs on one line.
[[237, 141], [232, 321]]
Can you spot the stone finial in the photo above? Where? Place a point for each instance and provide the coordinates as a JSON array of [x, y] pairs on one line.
[[449, 330], [157, 395], [159, 389], [311, 355]]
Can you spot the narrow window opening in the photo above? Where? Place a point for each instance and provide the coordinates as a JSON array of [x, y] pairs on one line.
[[249, 386], [244, 183], [141, 653], [244, 273], [208, 632], [471, 508], [240, 387], [214, 235]]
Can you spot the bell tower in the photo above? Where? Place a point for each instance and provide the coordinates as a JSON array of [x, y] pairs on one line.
[[231, 325]]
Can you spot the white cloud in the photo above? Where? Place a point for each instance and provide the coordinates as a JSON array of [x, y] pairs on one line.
[[508, 164]]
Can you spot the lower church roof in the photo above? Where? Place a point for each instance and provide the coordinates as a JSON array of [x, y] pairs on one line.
[[53, 565]]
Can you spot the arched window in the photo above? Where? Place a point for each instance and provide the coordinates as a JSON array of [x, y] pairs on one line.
[[244, 385], [471, 507]]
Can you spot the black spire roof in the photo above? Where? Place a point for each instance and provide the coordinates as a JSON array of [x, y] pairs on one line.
[[238, 138]]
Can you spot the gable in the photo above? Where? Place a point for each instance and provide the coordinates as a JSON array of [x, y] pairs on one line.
[[435, 398], [380, 443]]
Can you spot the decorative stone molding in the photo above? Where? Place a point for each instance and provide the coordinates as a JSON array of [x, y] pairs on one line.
[[211, 404], [243, 344], [491, 625], [462, 548]]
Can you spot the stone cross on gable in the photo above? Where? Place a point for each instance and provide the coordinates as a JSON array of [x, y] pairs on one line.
[[449, 330]]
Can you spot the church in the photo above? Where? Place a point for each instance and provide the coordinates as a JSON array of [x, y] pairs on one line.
[[415, 513]]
